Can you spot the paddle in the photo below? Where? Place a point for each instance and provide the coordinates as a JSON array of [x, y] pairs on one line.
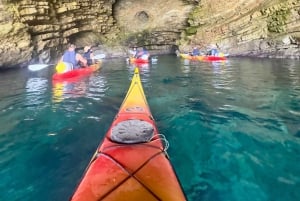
[[37, 67], [154, 59], [99, 56]]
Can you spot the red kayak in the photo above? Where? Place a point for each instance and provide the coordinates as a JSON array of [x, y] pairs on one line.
[[76, 73], [139, 60], [131, 163], [213, 58]]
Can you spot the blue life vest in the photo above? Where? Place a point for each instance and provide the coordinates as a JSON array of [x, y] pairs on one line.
[[214, 52], [196, 52], [87, 56], [142, 53], [70, 57]]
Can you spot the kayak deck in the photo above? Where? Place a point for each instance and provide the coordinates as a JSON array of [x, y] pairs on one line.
[[131, 163]]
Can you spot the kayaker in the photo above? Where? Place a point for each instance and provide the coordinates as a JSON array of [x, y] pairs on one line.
[[213, 51], [143, 54], [88, 55], [196, 51], [132, 52], [72, 59]]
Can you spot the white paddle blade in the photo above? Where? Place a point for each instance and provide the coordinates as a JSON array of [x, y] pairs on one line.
[[99, 56], [36, 67]]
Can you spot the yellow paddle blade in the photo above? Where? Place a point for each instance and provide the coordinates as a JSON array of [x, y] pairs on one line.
[[60, 67]]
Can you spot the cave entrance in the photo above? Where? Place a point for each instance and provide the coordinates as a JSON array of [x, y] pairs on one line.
[[142, 16], [151, 23], [137, 16]]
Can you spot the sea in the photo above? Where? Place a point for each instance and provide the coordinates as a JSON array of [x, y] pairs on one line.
[[233, 127]]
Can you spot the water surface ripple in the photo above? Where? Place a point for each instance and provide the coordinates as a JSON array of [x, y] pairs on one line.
[[233, 127]]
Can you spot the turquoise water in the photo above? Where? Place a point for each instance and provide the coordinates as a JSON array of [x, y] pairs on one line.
[[233, 127]]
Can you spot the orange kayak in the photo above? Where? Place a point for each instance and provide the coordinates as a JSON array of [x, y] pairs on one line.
[[131, 163], [190, 57], [203, 57]]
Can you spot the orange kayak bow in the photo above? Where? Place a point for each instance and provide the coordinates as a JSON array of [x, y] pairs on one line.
[[131, 163]]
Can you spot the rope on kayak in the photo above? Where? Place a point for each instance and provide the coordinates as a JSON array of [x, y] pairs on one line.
[[130, 175], [165, 141]]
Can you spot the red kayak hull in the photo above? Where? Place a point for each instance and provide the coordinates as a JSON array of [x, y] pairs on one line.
[[136, 170], [213, 58], [139, 61], [76, 73]]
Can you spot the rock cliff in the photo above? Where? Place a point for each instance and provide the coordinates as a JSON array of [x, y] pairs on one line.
[[35, 31], [32, 29], [263, 28]]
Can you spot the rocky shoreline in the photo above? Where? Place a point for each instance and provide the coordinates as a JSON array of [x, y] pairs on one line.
[[39, 31]]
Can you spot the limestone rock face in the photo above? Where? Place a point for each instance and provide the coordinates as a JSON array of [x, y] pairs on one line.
[[31, 29], [14, 39], [35, 31], [264, 28]]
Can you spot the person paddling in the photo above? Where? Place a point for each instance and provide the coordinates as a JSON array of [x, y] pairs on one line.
[[142, 54], [88, 55], [73, 59], [196, 51], [132, 52], [213, 51]]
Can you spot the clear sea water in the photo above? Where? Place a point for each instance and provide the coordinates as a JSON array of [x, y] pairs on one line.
[[233, 127]]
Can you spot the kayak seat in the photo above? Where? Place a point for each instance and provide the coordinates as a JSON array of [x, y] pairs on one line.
[[132, 131]]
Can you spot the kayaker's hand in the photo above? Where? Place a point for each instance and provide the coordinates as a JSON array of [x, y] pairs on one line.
[[81, 59]]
